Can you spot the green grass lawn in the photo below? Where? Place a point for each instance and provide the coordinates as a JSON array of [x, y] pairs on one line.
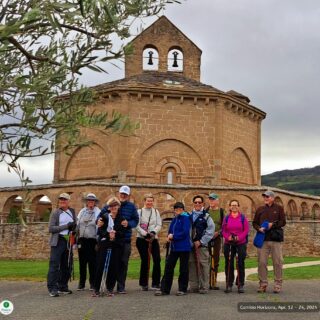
[[37, 270], [301, 273]]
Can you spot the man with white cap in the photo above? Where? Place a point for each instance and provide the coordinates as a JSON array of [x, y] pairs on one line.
[[274, 215], [129, 212], [62, 222], [87, 240]]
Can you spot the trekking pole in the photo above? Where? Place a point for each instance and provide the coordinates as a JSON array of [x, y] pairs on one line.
[[168, 248], [197, 259], [105, 272], [70, 243], [237, 267], [212, 269], [149, 258], [228, 271]]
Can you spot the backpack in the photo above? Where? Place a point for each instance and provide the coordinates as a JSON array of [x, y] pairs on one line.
[[242, 221]]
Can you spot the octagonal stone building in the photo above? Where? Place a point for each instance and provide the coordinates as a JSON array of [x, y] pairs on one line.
[[190, 133]]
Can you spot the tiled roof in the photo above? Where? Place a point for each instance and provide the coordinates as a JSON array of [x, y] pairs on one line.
[[160, 80]]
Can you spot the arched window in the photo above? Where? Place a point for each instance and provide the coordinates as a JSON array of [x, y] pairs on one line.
[[171, 175], [150, 58], [175, 60]]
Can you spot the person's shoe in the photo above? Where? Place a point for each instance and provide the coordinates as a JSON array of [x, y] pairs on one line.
[[144, 288], [241, 289], [155, 288], [203, 291], [110, 294], [53, 293], [95, 294], [276, 289], [80, 288], [122, 292], [228, 289], [262, 289], [64, 291], [193, 290], [160, 293], [214, 288], [91, 287], [181, 293]]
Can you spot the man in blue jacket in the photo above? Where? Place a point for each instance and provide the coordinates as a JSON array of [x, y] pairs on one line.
[[129, 212], [180, 246]]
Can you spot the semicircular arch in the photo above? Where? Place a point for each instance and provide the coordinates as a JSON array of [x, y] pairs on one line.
[[240, 169], [90, 162]]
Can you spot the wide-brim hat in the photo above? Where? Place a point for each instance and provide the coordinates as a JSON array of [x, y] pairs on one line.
[[92, 197]]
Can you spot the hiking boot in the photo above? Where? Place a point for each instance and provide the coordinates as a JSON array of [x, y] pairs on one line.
[[96, 294], [122, 292], [262, 289], [64, 291], [144, 288], [160, 293], [155, 288], [228, 289], [241, 289], [276, 289], [203, 291], [181, 293], [53, 293]]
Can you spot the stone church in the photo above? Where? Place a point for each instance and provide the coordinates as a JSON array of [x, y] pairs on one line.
[[192, 139], [190, 133]]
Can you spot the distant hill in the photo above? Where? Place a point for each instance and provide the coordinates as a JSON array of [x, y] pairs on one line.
[[306, 180]]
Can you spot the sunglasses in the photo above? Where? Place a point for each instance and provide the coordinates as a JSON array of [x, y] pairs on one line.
[[266, 196], [197, 202]]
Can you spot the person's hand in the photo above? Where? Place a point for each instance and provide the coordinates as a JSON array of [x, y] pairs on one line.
[[270, 225], [100, 223], [197, 244], [230, 238], [112, 235], [152, 235], [124, 223], [215, 235], [262, 230], [71, 226], [170, 237]]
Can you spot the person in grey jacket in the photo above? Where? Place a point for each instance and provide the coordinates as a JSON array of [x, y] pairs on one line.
[[62, 222], [87, 240]]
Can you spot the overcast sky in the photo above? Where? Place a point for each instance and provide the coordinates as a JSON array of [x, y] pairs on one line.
[[268, 50]]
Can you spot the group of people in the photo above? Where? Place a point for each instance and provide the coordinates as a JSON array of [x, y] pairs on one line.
[[194, 238]]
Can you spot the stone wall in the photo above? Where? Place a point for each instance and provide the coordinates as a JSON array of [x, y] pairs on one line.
[[302, 238]]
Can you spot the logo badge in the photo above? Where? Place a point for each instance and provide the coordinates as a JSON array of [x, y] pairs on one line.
[[6, 307]]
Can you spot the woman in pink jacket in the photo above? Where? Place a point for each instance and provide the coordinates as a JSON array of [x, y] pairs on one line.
[[235, 230]]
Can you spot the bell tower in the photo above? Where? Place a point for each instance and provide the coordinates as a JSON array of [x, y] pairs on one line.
[[162, 47]]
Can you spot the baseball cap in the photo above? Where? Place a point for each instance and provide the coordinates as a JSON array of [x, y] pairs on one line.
[[125, 189], [178, 205], [64, 196], [213, 196], [269, 193]]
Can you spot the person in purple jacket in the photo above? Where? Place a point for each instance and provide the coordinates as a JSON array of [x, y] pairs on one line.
[[235, 229]]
